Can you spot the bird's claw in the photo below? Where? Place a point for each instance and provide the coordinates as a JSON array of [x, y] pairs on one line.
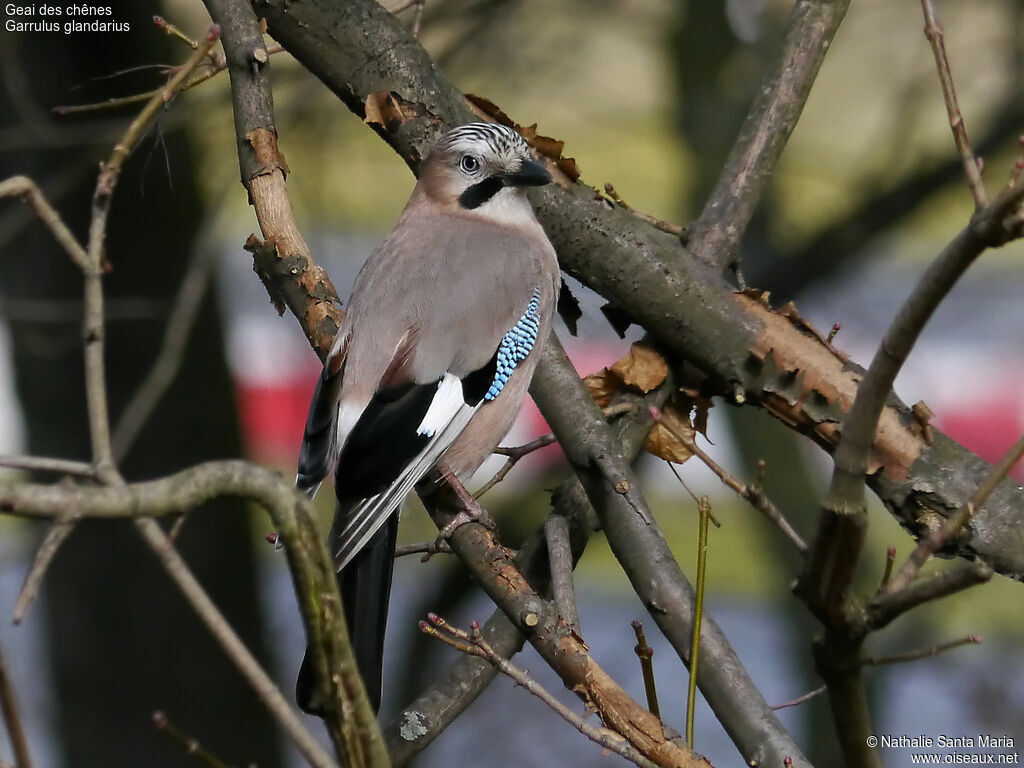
[[472, 513]]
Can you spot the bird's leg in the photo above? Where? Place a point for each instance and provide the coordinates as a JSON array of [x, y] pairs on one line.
[[471, 511]]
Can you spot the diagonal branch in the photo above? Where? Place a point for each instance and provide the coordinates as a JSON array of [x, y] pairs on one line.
[[435, 708], [358, 49], [648, 561], [715, 236]]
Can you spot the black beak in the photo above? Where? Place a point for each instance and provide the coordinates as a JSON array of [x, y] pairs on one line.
[[530, 174]]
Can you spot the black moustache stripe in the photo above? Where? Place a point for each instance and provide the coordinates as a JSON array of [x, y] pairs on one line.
[[480, 193]]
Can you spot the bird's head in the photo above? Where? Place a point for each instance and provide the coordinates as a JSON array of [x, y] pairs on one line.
[[481, 166]]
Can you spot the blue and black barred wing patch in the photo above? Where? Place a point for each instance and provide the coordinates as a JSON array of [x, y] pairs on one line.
[[515, 346]]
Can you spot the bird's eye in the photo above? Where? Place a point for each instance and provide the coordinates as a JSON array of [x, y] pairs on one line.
[[469, 164]]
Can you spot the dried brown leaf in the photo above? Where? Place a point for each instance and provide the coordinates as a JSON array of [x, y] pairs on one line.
[[488, 108], [389, 110], [528, 132], [603, 386], [642, 368], [547, 146], [567, 165], [664, 439]]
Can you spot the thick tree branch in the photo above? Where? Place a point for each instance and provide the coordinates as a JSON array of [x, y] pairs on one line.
[[434, 709], [309, 564], [648, 561], [565, 652], [755, 355], [311, 297]]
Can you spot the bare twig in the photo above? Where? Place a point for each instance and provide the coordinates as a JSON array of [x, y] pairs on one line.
[[12, 719], [190, 744], [715, 236], [213, 66], [515, 453], [802, 699], [232, 644], [704, 509], [751, 493], [472, 642], [427, 548], [45, 464], [556, 533], [26, 189], [96, 392], [832, 558], [890, 561], [921, 653], [972, 169], [885, 607], [173, 31], [933, 541], [55, 536], [645, 653]]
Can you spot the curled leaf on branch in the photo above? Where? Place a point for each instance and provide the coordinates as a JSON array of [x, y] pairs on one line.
[[642, 370]]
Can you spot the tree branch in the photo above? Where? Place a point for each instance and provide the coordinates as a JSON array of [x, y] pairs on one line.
[[715, 236], [12, 719], [645, 556], [769, 359], [434, 709]]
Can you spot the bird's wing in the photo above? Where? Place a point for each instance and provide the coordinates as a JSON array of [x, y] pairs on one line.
[[427, 341]]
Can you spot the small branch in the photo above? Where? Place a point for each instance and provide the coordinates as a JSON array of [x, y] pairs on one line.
[[173, 31], [232, 644], [802, 699], [189, 744], [214, 65], [645, 653], [55, 536], [45, 464], [715, 236], [704, 509], [12, 719], [26, 189], [516, 453], [556, 533], [890, 561], [472, 642], [885, 607], [751, 493], [427, 548], [935, 540], [972, 166], [93, 330], [921, 653], [836, 549]]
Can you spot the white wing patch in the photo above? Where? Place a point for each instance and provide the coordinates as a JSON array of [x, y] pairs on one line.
[[445, 419], [443, 407]]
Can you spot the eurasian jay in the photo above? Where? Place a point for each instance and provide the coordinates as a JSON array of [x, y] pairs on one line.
[[431, 363]]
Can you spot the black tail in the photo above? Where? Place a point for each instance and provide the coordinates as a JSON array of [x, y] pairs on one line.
[[365, 586]]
